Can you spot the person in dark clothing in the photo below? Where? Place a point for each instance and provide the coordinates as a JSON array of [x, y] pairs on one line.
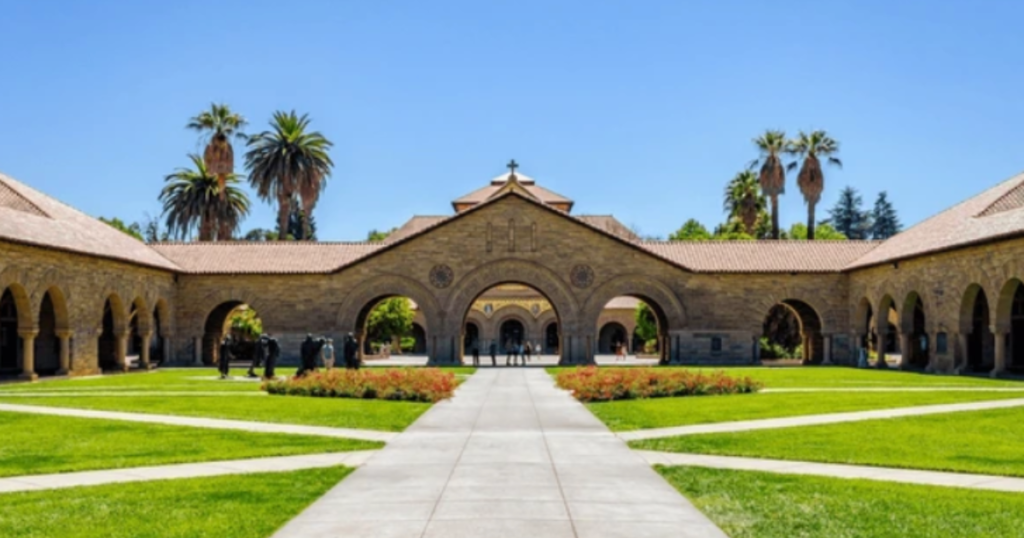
[[510, 351], [258, 356], [494, 353], [351, 352], [526, 351], [224, 358], [476, 353], [307, 356], [273, 352]]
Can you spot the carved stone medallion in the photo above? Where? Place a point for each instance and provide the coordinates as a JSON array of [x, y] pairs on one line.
[[581, 276], [441, 276]]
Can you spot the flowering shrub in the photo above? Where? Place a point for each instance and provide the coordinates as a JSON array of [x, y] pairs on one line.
[[410, 384], [592, 384]]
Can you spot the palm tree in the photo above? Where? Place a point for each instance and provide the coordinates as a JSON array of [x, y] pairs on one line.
[[772, 177], [193, 199], [811, 180], [743, 200], [222, 124], [286, 161]]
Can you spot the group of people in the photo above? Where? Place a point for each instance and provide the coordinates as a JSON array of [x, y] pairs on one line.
[[620, 351], [517, 353], [267, 350], [323, 348]]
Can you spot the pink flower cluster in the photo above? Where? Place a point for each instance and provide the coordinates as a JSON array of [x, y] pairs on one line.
[[408, 384], [592, 384]]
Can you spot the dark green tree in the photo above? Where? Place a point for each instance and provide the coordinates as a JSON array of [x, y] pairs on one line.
[[260, 234], [848, 217], [646, 323], [691, 230], [885, 222], [298, 225], [390, 320], [743, 200]]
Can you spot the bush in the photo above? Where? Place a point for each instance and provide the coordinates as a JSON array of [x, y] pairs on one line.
[[592, 384], [407, 384], [773, 350]]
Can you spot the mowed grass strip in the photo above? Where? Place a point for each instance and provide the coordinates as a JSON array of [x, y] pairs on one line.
[[379, 415], [630, 415], [240, 506], [984, 442], [38, 444], [749, 504]]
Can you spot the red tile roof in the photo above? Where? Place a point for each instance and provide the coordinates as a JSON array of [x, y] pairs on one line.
[[414, 226], [760, 256], [271, 257], [31, 217], [994, 214], [609, 224]]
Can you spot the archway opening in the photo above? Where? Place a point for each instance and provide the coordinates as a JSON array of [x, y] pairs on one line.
[[470, 338], [235, 319], [156, 343], [107, 343], [918, 349], [792, 329], [867, 343], [611, 337], [636, 324], [512, 320], [135, 321], [977, 324], [387, 326], [10, 345], [47, 344], [887, 328], [1012, 320]]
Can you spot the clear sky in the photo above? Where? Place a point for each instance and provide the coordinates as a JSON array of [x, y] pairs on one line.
[[640, 109]]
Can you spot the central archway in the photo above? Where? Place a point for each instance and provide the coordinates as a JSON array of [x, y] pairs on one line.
[[509, 320]]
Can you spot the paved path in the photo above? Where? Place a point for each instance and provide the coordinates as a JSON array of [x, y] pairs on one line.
[[835, 470], [509, 456], [213, 423], [814, 420], [183, 470]]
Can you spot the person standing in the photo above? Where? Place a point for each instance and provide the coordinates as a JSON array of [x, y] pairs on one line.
[[327, 355], [351, 352], [494, 353], [510, 350], [476, 352], [258, 356], [224, 358], [273, 352], [527, 350]]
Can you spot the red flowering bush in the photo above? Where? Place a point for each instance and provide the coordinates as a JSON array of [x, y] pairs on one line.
[[409, 384], [592, 384]]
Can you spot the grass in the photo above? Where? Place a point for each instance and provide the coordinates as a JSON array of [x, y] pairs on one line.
[[985, 442], [37, 444], [334, 412], [752, 504], [663, 412], [241, 506]]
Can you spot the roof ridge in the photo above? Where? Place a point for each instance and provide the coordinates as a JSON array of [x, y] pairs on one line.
[[34, 207], [996, 206]]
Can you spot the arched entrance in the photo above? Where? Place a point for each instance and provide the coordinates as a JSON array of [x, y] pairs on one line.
[[1009, 343], [611, 336], [793, 329], [386, 325], [233, 318], [887, 330], [916, 347], [471, 339], [511, 334], [47, 344], [10, 345], [976, 324], [657, 312], [110, 349]]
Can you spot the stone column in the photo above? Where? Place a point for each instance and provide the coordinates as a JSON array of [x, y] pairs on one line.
[[122, 351], [905, 348], [197, 351], [826, 341], [167, 349], [960, 353], [1000, 366], [144, 352], [28, 354], [65, 351]]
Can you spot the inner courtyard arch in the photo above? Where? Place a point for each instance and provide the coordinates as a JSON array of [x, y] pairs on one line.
[[976, 328], [793, 329], [112, 346], [610, 337], [511, 316], [916, 345]]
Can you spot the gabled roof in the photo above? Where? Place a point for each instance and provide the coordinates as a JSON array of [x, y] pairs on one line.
[[527, 183], [258, 257], [997, 213], [30, 217], [761, 256]]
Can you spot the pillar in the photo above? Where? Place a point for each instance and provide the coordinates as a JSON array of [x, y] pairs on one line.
[[1000, 366], [65, 351], [28, 354], [826, 340], [906, 347], [144, 352], [197, 351], [167, 349], [122, 351], [933, 358]]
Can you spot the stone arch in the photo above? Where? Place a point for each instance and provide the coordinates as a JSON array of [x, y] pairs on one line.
[[22, 303], [515, 313], [915, 323], [139, 309], [110, 331], [213, 300], [162, 332], [810, 324], [610, 335], [367, 293], [886, 330], [1004, 305], [118, 312], [976, 352], [655, 293], [60, 306], [1009, 327]]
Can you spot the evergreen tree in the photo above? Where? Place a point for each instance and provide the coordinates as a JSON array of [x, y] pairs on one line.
[[885, 221], [848, 218]]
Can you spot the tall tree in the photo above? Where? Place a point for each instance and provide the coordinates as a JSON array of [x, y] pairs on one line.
[[808, 148], [192, 200], [390, 320], [885, 222], [743, 200], [289, 160], [772, 176], [220, 123], [691, 230], [300, 228], [848, 218]]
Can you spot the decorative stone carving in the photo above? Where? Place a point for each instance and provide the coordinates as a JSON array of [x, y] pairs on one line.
[[441, 276], [581, 276]]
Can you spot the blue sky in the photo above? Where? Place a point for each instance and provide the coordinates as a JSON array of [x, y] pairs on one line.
[[639, 109]]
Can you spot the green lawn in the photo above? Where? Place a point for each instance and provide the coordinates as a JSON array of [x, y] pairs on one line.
[[241, 506], [663, 412], [762, 505], [38, 444], [985, 442], [335, 412]]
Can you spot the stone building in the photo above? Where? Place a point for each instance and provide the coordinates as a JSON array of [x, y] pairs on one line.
[[78, 296]]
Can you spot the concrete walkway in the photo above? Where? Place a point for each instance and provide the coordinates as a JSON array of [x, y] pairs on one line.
[[835, 470], [183, 470], [815, 420], [509, 456], [213, 423]]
